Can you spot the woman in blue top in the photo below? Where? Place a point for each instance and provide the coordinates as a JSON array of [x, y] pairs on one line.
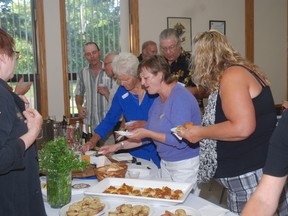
[[174, 106], [130, 100]]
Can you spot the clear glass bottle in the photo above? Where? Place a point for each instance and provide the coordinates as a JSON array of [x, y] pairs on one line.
[[78, 133]]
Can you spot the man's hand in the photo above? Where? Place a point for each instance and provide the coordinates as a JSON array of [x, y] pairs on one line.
[[82, 112], [103, 90]]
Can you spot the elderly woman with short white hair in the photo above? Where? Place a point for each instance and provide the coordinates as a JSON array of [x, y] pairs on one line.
[[132, 101]]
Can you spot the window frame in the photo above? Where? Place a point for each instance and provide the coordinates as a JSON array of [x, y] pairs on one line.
[[134, 45]]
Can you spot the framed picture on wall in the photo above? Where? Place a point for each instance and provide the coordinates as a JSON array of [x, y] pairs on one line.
[[219, 25], [183, 26]]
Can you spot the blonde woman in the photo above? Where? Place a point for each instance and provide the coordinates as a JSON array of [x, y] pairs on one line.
[[238, 121]]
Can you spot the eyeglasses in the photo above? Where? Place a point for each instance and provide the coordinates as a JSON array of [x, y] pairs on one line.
[[17, 54], [107, 63], [170, 48]]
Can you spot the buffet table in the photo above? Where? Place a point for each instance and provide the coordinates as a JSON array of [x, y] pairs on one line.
[[203, 207]]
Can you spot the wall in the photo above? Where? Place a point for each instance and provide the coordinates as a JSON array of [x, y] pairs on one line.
[[270, 35], [271, 44], [153, 19], [53, 58]]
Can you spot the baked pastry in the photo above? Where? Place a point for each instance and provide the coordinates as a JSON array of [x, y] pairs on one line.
[[188, 124], [185, 126]]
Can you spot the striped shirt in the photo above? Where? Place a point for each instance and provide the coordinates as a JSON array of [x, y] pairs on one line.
[[95, 103]]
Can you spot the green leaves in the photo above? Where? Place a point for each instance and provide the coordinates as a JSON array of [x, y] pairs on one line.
[[55, 155]]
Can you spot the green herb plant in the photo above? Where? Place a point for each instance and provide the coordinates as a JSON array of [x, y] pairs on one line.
[[55, 156]]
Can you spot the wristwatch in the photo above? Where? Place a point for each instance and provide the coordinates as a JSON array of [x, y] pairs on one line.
[[122, 145]]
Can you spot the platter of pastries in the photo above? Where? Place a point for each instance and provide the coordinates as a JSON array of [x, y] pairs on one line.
[[163, 192], [141, 190]]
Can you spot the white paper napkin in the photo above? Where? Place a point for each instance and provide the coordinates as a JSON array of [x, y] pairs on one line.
[[173, 130], [211, 210], [122, 157]]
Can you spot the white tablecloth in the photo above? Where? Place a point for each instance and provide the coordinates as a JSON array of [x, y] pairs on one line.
[[203, 206]]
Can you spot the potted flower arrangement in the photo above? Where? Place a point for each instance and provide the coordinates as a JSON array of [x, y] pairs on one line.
[[58, 161]]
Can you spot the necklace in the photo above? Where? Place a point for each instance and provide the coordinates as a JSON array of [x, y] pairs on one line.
[[138, 97]]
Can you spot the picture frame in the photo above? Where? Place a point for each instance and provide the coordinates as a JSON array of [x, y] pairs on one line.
[[183, 26], [219, 25]]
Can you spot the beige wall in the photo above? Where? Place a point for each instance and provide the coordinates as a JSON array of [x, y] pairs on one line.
[[270, 35], [270, 29], [271, 44]]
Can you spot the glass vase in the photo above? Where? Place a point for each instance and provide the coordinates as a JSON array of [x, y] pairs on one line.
[[58, 188]]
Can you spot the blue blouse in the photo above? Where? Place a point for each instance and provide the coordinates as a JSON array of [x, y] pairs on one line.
[[127, 104]]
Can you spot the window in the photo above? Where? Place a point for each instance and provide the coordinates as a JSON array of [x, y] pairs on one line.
[[90, 20], [17, 18]]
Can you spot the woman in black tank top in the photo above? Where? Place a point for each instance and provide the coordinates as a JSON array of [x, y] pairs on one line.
[[238, 121]]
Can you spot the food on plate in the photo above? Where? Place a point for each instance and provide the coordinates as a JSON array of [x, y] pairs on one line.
[[180, 128], [88, 206], [164, 192], [188, 124], [178, 212], [185, 126], [112, 170], [130, 210]]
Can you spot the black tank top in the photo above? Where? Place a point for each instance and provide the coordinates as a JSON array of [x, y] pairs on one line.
[[239, 157]]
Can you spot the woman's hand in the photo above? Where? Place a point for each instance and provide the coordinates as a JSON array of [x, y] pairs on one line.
[[138, 134], [25, 100], [108, 149], [191, 134], [34, 124], [91, 144], [34, 121], [87, 146], [134, 125]]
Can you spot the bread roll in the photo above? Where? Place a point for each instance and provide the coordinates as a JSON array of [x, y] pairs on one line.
[[188, 124]]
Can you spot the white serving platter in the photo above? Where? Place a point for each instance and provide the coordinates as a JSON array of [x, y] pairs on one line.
[[97, 190]]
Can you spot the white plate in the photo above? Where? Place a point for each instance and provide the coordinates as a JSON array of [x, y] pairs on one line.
[[139, 183], [173, 130], [123, 133], [151, 212], [122, 157], [144, 172], [64, 209], [189, 210]]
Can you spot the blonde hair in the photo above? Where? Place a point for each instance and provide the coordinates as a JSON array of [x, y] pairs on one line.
[[212, 55]]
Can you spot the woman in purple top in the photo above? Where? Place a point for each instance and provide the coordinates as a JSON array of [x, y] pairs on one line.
[[174, 106]]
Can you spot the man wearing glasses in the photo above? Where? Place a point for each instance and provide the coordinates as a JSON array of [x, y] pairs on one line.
[[179, 61]]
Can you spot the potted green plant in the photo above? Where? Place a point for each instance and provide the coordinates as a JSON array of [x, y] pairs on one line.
[[57, 161]]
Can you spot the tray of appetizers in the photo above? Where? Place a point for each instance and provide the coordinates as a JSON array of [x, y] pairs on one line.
[[142, 190]]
